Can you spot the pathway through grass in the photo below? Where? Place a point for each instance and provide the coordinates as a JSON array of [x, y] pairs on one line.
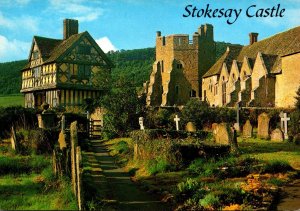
[[115, 185]]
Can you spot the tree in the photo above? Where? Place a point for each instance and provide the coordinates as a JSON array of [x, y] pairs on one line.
[[123, 107], [198, 112]]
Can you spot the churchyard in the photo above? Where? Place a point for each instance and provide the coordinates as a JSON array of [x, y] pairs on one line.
[[194, 158]]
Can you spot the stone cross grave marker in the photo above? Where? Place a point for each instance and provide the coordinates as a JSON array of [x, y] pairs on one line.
[[141, 122], [176, 119], [284, 124]]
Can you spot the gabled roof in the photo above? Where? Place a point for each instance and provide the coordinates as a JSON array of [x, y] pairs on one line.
[[272, 62], [280, 44], [272, 48], [228, 57], [53, 49], [46, 45]]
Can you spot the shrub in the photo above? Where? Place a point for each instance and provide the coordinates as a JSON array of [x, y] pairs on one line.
[[16, 116], [276, 166], [198, 112], [38, 141], [210, 201], [189, 186], [158, 165]]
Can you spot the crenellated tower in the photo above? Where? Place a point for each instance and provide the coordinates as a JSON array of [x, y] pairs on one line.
[[180, 64]]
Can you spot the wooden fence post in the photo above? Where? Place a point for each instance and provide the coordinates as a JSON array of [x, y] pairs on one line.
[[74, 142], [79, 177]]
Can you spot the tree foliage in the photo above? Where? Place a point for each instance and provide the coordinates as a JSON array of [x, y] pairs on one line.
[[123, 107]]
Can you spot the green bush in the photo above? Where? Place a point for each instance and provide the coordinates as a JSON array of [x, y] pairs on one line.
[[275, 181], [210, 201], [158, 165], [16, 116], [277, 166], [189, 186], [38, 141]]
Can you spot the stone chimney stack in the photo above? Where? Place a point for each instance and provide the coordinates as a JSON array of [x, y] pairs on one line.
[[253, 37], [70, 28]]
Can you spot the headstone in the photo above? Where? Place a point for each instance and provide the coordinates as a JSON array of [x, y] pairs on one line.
[[223, 134], [247, 129], [263, 126], [13, 139], [74, 142], [214, 127], [190, 127], [284, 124], [62, 140], [141, 122], [46, 120], [176, 119], [237, 126], [277, 135]]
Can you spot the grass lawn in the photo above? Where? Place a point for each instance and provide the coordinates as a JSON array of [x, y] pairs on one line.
[[11, 100], [269, 151], [28, 183]]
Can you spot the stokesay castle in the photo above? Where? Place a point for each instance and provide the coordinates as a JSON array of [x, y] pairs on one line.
[[262, 74]]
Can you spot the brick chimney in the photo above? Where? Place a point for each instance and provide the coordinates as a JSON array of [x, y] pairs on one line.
[[70, 28], [253, 37]]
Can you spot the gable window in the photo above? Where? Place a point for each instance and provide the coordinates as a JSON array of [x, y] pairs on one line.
[[84, 49], [35, 55]]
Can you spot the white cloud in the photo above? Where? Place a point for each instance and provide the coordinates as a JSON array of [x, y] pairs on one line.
[[105, 44], [82, 12], [21, 23], [11, 50]]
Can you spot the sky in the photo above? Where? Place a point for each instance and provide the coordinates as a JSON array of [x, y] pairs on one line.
[[132, 24]]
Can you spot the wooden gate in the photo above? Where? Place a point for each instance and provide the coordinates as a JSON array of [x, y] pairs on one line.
[[95, 129]]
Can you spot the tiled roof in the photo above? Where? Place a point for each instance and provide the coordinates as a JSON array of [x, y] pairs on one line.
[[52, 49], [228, 57], [272, 49], [46, 45]]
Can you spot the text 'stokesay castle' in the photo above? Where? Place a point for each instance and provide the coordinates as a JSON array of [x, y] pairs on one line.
[[61, 72], [262, 74]]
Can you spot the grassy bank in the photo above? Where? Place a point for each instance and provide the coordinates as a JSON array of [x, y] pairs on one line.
[[250, 180], [28, 183], [11, 100]]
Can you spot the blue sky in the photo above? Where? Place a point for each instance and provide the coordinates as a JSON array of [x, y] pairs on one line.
[[130, 24]]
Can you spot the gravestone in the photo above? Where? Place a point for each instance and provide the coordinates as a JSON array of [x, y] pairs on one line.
[[13, 139], [62, 140], [263, 126], [190, 127], [176, 119], [46, 120], [214, 127], [277, 135], [247, 129], [141, 123], [284, 124], [223, 134]]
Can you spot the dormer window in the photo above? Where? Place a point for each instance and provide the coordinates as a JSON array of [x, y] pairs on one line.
[[35, 55]]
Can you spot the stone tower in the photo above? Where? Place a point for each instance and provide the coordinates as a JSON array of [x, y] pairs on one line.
[[179, 66]]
